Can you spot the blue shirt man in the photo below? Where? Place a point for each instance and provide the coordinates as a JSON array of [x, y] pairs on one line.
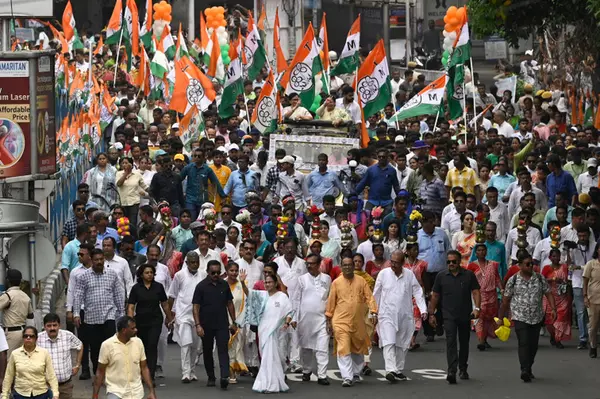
[[322, 182], [558, 181], [240, 182], [70, 258], [198, 175], [381, 180], [433, 244]]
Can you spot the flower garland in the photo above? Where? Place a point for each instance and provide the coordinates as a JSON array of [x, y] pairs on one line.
[[480, 221], [315, 212], [415, 218], [210, 216], [555, 237], [123, 227], [346, 234], [245, 219], [377, 214], [282, 228]]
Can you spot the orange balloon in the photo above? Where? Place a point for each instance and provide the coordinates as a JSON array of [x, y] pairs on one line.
[[454, 21], [208, 12], [221, 9], [461, 14], [449, 28], [451, 10], [223, 23]]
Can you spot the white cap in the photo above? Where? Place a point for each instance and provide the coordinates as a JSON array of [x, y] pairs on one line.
[[222, 149], [175, 126], [287, 159], [233, 146], [592, 162], [399, 139]]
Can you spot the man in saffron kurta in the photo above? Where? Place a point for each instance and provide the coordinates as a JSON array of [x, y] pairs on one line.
[[223, 172], [349, 298]]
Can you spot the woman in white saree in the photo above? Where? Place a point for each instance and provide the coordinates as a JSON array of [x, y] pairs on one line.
[[271, 311], [236, 342]]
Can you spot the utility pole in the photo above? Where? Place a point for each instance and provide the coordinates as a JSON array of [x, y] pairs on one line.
[[408, 33], [386, 28], [5, 24], [191, 20]]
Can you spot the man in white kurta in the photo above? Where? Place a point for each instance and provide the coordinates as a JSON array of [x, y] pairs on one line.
[[254, 273], [163, 276], [291, 267], [309, 301], [394, 291], [181, 292]]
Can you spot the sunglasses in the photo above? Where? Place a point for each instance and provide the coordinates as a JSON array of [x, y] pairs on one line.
[[453, 262], [29, 336], [79, 209], [213, 273], [225, 213]]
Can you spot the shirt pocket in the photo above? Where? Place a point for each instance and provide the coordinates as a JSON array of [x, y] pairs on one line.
[[438, 245]]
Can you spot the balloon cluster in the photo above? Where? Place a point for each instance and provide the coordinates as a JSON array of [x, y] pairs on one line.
[[123, 228], [377, 215], [215, 20], [453, 20], [162, 17], [282, 228], [314, 212], [210, 216]]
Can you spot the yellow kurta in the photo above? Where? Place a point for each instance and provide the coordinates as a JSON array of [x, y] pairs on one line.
[[347, 304], [223, 174]]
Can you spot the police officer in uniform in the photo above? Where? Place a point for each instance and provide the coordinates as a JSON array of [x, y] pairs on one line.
[[16, 306]]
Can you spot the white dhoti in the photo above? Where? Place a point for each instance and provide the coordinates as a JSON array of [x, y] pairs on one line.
[[187, 339], [308, 357], [394, 358], [350, 365], [293, 348], [162, 346]]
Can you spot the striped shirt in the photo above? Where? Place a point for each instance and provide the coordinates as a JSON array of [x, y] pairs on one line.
[[102, 294], [434, 195], [60, 352]]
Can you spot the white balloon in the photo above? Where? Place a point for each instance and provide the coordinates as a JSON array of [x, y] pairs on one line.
[[445, 33], [221, 29], [158, 27], [222, 40], [210, 31], [452, 35]]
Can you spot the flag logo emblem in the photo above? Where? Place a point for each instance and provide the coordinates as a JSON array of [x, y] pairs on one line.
[[458, 92], [368, 88], [194, 92], [264, 111], [301, 77]]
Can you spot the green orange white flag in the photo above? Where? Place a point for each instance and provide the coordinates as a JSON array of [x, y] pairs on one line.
[[373, 81], [265, 115], [146, 29], [133, 26], [300, 76], [349, 59], [427, 102], [234, 82], [280, 61], [113, 30], [192, 88], [256, 56]]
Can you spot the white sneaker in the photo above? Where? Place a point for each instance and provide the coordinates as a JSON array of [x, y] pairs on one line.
[[193, 377], [295, 368], [159, 372]]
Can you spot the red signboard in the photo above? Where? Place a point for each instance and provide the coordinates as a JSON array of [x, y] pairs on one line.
[[15, 150]]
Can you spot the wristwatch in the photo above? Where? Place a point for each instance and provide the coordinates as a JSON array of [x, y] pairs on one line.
[[477, 309]]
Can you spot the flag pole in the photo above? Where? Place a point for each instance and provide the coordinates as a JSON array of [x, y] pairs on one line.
[[473, 84], [91, 65], [117, 58], [247, 113], [437, 117]]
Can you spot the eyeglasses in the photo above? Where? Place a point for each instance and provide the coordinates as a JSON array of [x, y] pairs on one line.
[[453, 262], [79, 209], [80, 254], [29, 336]]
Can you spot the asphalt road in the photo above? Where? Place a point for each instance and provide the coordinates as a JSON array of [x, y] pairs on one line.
[[494, 375]]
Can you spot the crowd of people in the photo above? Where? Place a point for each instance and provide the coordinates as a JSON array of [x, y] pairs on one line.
[[429, 227]]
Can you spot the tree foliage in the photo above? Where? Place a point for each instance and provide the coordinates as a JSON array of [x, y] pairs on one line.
[[578, 20]]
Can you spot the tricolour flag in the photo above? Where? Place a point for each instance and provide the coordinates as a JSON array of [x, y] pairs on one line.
[[461, 51], [192, 88], [323, 42], [216, 68], [427, 102], [373, 81], [182, 50], [68, 22], [132, 21], [115, 24], [300, 76], [280, 60], [167, 44], [265, 115], [206, 43], [159, 68], [256, 56], [455, 92], [234, 82], [144, 76], [146, 29], [349, 59]]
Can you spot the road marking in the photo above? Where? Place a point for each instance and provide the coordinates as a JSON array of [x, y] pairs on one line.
[[432, 374]]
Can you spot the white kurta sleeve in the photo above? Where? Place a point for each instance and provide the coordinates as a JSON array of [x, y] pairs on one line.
[[417, 293]]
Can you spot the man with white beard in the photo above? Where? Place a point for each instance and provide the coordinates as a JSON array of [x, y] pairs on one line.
[[309, 320], [394, 291], [291, 267], [254, 273], [163, 276], [182, 292]]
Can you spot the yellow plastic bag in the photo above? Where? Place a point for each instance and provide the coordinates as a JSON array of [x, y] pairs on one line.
[[503, 332]]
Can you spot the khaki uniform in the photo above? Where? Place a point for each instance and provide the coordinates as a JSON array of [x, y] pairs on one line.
[[16, 306]]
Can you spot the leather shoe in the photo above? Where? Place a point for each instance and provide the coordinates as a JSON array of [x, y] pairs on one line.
[[463, 375], [85, 375], [224, 383], [305, 377], [211, 382], [451, 378], [525, 376], [323, 381]]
